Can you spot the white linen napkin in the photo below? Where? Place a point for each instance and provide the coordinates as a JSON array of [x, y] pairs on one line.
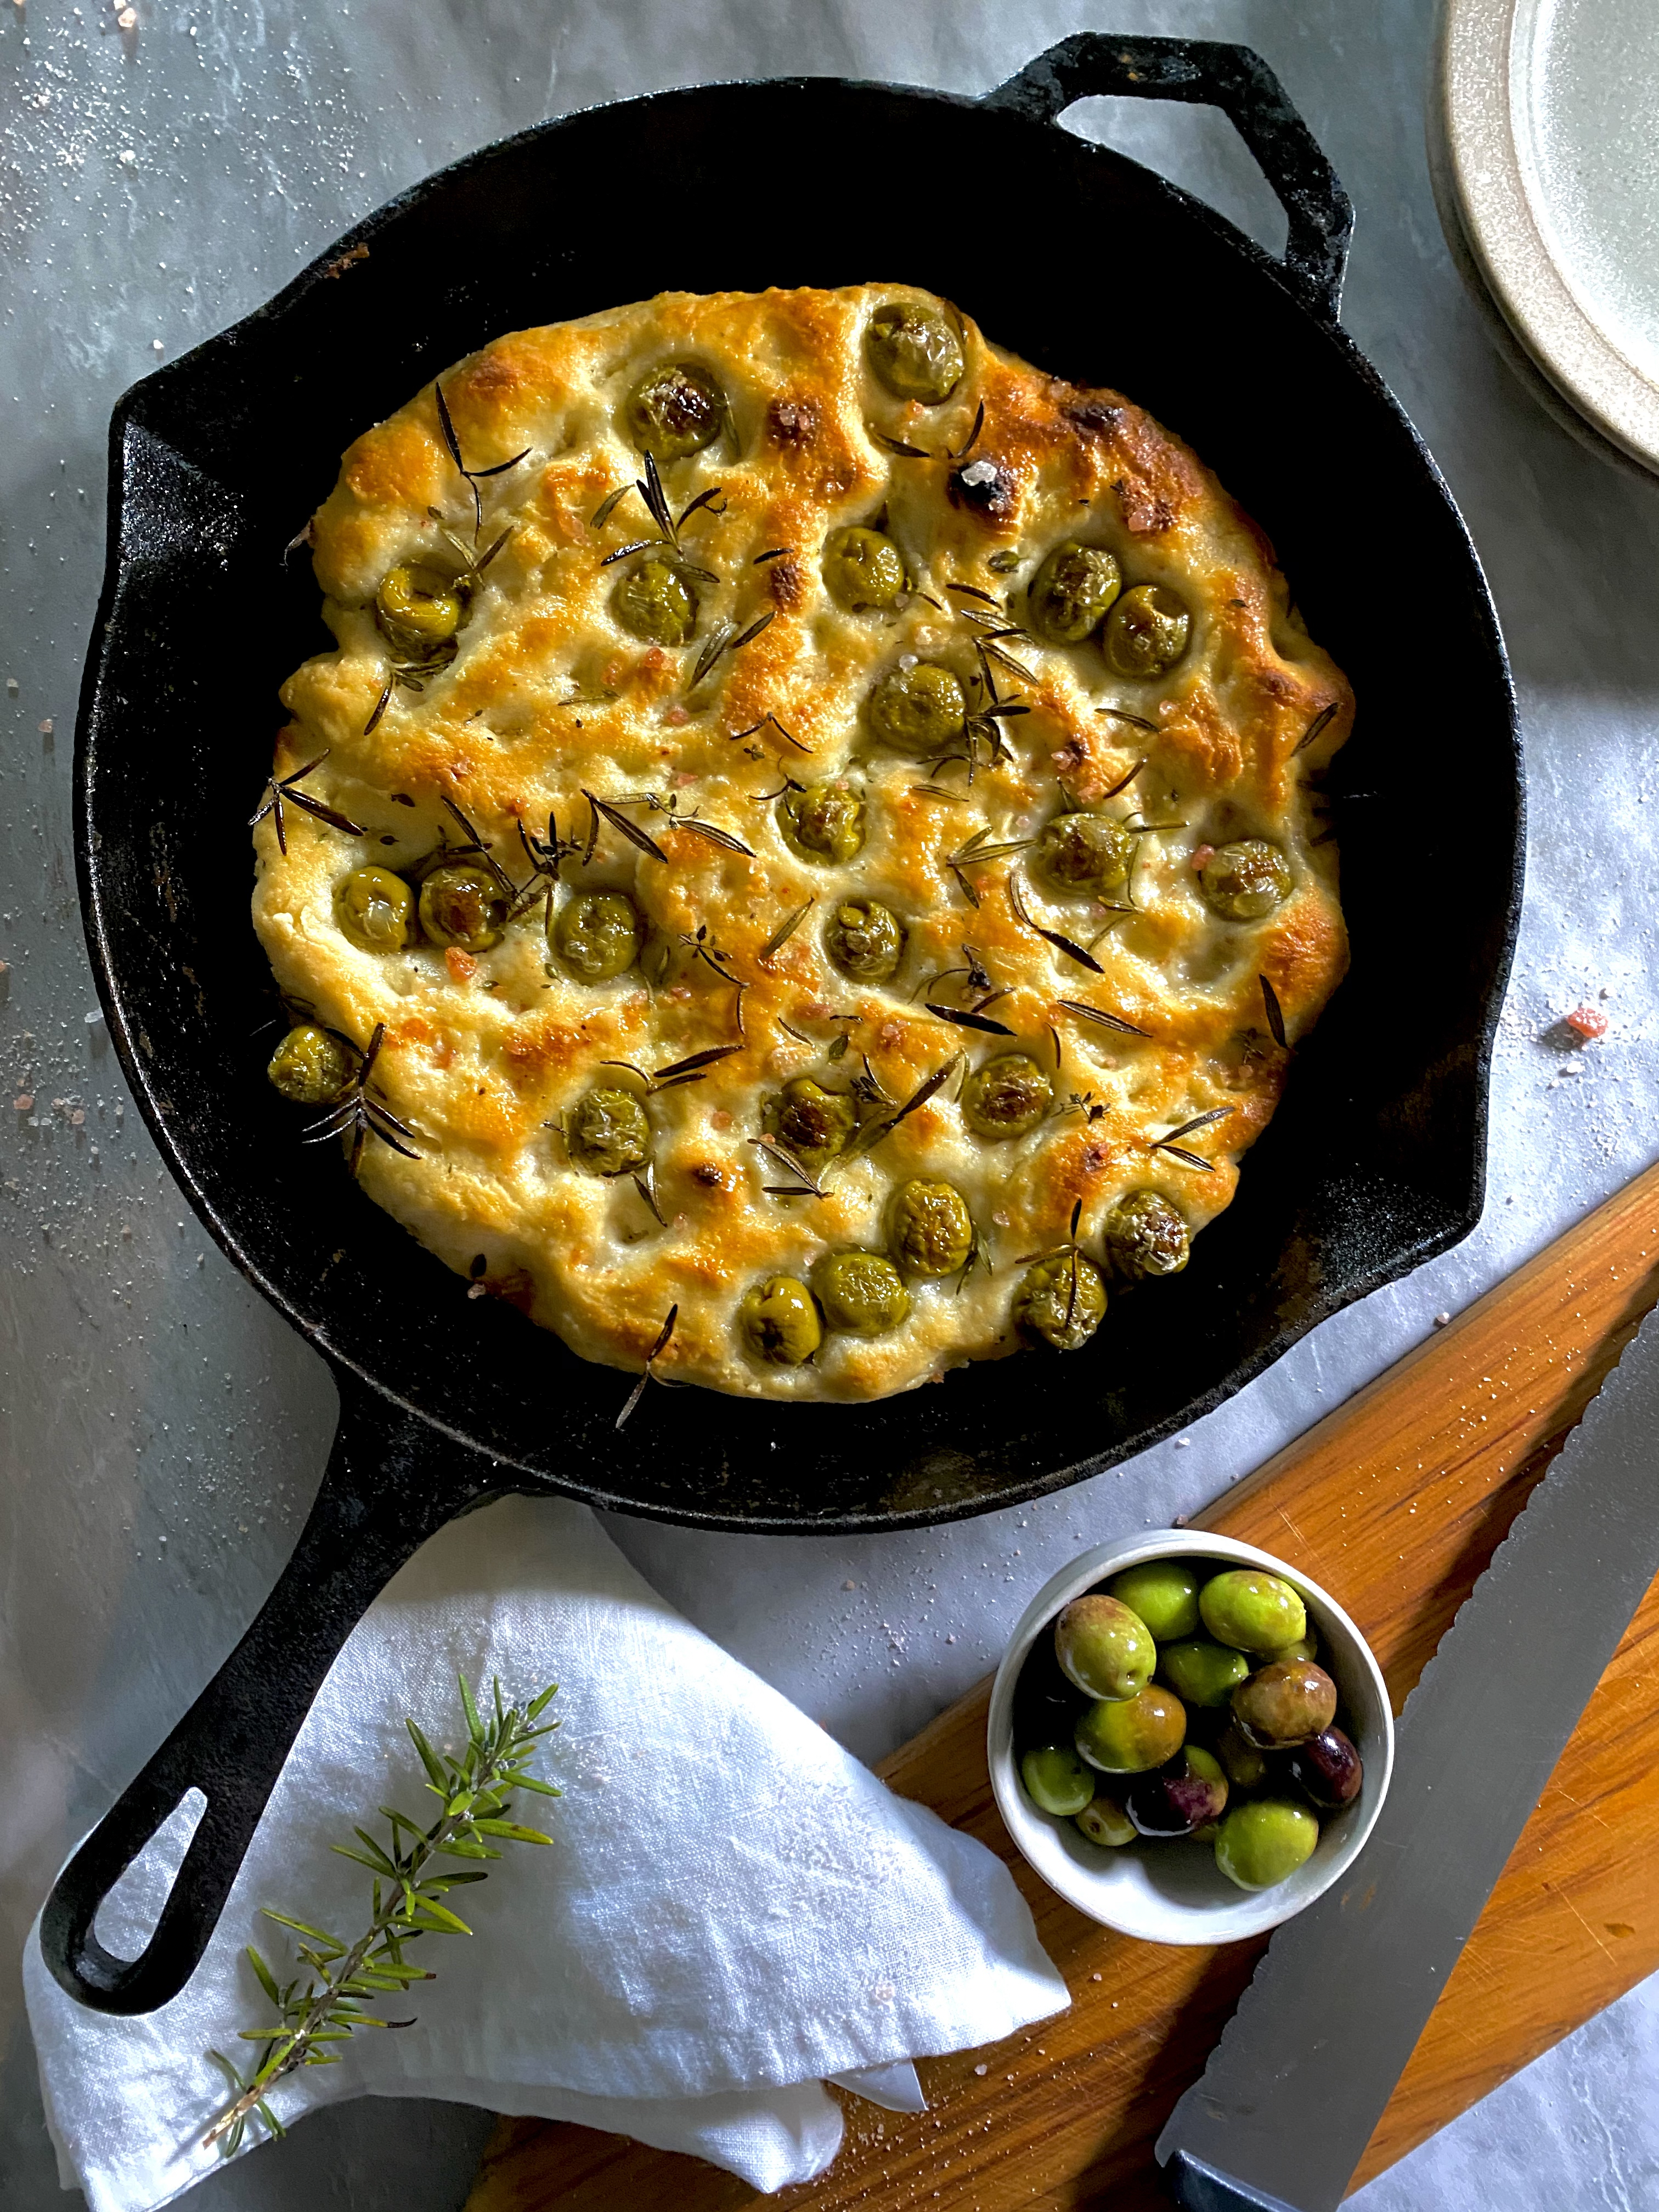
[[734, 1911]]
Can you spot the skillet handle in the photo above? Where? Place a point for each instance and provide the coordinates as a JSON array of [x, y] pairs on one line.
[[1235, 79], [391, 1480]]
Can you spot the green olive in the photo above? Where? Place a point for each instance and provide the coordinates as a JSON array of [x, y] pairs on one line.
[[780, 1321], [375, 910], [607, 1132], [913, 348], [1164, 1592], [1284, 1702], [1144, 1235], [1006, 1097], [862, 568], [597, 935], [464, 905], [919, 709], [311, 1065], [1246, 1767], [1252, 1610], [1056, 1780], [1061, 1301], [1071, 592], [864, 939], [1146, 631], [825, 822], [676, 409], [1133, 1734], [1087, 854], [861, 1292], [419, 610], [1305, 1647], [1104, 1822], [1264, 1841], [1201, 1673], [813, 1122], [1247, 879], [930, 1231], [655, 600], [1104, 1648]]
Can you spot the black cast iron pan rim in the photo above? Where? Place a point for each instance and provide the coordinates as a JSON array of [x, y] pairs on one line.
[[316, 1331]]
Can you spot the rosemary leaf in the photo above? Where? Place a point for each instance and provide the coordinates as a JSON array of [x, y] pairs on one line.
[[620, 823], [608, 506], [966, 1021], [785, 929], [327, 2005], [715, 835], [1314, 729], [697, 1059], [1275, 1012], [1099, 1014], [1072, 952]]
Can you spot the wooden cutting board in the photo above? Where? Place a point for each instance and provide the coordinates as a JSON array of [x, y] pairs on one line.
[[1394, 1502]]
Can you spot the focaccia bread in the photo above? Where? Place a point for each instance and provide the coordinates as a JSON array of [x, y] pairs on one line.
[[835, 790]]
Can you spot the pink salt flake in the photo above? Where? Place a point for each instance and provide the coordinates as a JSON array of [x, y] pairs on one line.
[[1202, 852], [676, 717], [1587, 1023]]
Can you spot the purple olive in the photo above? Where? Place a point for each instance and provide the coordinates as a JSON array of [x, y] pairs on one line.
[[1328, 1768], [1284, 1702], [1187, 1794], [1245, 1766]]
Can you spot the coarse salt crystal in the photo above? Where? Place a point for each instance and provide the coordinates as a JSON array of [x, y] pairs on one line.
[[127, 158], [980, 472], [24, 1103], [1588, 1022]]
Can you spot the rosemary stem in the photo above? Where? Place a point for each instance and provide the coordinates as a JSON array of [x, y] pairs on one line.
[[289, 2048]]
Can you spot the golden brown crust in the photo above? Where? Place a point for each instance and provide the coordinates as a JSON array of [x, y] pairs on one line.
[[548, 697]]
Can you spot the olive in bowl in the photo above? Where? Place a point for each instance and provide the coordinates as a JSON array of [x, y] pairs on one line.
[[1195, 1831]]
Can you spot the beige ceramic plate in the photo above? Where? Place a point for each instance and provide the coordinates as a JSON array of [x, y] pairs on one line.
[[1546, 166]]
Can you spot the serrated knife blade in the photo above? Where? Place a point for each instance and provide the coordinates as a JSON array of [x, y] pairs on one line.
[[1295, 2086]]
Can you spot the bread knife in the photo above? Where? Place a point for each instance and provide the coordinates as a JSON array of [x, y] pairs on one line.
[[1305, 2067]]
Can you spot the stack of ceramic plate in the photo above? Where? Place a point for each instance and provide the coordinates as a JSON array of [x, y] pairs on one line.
[[1545, 151]]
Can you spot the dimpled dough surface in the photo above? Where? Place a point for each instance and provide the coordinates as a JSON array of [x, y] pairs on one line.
[[548, 696]]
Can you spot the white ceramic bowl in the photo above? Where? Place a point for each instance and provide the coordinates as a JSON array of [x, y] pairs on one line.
[[1174, 1892]]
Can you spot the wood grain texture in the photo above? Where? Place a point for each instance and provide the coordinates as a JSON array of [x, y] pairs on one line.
[[1395, 1502]]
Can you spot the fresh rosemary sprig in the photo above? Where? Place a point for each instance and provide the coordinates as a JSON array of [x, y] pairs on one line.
[[474, 476], [1069, 946], [669, 525], [286, 793], [360, 1116], [325, 2006]]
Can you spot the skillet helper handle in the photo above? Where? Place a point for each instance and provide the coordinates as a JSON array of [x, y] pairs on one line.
[[391, 1480], [1209, 73]]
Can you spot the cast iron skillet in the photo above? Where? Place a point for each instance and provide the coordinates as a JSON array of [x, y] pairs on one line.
[[1085, 263]]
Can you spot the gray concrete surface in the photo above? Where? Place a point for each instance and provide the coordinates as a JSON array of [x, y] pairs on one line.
[[163, 1432]]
